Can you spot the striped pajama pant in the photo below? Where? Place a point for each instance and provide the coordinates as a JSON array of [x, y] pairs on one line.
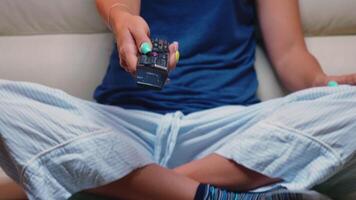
[[55, 145]]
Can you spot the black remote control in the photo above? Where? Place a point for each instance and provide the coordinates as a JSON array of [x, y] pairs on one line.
[[152, 68]]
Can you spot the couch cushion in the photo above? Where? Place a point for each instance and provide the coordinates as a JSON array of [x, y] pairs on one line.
[[320, 17], [329, 17], [74, 63], [336, 54], [18, 17]]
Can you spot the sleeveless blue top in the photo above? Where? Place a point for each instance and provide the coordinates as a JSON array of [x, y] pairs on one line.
[[217, 45]]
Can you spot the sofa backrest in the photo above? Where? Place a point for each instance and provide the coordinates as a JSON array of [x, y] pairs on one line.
[[33, 17], [18, 17], [59, 43]]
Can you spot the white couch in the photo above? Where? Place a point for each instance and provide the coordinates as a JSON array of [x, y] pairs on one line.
[[64, 44]]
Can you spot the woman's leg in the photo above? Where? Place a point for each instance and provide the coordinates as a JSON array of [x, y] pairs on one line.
[[55, 145], [297, 141], [9, 190], [303, 142], [17, 118], [219, 171], [152, 183], [149, 182]]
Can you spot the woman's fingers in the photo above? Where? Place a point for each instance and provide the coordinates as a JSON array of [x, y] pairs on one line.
[[135, 39], [349, 79], [174, 55], [131, 33], [127, 51], [141, 35], [352, 79]]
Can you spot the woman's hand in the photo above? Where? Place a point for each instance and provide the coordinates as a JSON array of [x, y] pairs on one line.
[[131, 31], [323, 80]]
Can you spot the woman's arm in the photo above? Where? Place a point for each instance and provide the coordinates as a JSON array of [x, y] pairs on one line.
[[283, 36], [130, 29], [122, 17], [104, 7]]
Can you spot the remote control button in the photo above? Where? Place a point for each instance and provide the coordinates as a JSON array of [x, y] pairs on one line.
[[144, 59], [156, 49], [152, 60], [162, 63], [163, 56]]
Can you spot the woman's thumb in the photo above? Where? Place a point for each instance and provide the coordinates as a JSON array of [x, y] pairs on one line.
[[143, 42]]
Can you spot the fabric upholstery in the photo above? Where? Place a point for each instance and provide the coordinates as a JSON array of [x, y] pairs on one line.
[[74, 63], [18, 17], [320, 17]]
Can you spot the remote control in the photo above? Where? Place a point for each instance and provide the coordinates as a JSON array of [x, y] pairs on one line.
[[152, 68]]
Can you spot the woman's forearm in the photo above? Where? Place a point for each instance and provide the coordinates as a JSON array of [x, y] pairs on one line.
[[298, 69], [109, 7]]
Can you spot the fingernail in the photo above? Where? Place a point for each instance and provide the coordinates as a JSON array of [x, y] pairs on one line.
[[176, 44], [145, 48], [333, 84], [177, 56]]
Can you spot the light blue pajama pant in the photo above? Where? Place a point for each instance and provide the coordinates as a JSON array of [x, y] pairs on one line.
[[56, 145]]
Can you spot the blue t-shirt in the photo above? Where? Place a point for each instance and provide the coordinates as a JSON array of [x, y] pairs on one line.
[[217, 45]]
